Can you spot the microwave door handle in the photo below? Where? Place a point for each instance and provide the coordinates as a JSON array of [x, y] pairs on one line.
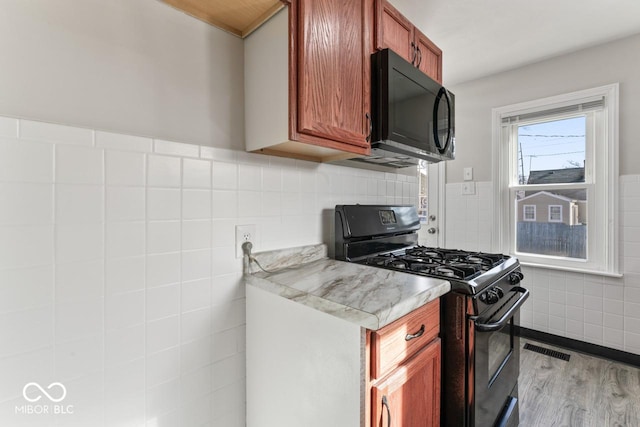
[[436, 138], [448, 98]]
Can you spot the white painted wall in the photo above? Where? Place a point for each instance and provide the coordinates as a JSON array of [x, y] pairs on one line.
[[598, 66], [117, 268], [133, 66]]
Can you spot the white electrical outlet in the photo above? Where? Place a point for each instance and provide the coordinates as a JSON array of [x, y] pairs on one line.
[[245, 233], [468, 188]]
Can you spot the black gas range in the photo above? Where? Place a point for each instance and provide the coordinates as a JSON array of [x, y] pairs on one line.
[[479, 317], [469, 272]]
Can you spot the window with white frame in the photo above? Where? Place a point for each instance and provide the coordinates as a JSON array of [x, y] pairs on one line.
[[554, 153], [555, 213], [529, 212]]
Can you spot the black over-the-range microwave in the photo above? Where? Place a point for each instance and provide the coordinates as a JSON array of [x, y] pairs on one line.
[[412, 114]]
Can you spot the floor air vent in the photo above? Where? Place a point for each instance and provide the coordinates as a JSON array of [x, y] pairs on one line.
[[547, 352]]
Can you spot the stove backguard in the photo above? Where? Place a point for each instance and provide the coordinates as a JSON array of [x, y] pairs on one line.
[[363, 230]]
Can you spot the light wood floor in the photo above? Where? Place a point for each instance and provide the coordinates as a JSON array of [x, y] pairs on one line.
[[585, 391]]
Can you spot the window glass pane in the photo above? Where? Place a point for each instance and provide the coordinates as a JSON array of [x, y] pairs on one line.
[[555, 213], [529, 212], [552, 152], [559, 227]]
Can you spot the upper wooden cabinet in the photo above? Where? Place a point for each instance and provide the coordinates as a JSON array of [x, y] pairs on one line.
[[429, 57], [307, 81], [397, 33], [333, 58]]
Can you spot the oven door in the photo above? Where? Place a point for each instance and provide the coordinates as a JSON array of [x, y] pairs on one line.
[[497, 365]]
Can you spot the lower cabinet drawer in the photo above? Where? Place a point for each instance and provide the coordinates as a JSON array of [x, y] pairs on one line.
[[410, 395], [400, 340]]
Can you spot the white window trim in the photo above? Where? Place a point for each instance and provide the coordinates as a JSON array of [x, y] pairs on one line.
[[524, 210], [605, 261], [555, 220]]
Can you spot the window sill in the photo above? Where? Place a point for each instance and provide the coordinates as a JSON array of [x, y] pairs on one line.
[[573, 270]]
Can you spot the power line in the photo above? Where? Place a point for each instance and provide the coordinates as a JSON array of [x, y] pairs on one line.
[[550, 136], [550, 143], [552, 154]]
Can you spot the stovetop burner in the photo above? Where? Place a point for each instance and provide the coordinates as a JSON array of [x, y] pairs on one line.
[[438, 262], [386, 236], [453, 255]]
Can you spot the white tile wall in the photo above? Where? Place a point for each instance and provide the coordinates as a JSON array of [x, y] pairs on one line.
[[595, 309], [469, 218], [118, 274], [8, 127]]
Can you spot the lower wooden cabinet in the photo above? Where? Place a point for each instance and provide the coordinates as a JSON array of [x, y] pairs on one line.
[[312, 369], [410, 395], [398, 341]]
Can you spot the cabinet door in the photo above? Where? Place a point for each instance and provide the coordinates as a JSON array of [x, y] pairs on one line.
[[429, 58], [394, 31], [333, 57], [410, 395]]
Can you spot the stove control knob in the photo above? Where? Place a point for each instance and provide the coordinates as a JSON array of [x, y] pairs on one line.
[[492, 296], [516, 277]]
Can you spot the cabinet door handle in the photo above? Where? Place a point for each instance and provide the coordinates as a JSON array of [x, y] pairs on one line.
[[414, 53], [368, 117], [385, 403], [419, 57], [418, 334]]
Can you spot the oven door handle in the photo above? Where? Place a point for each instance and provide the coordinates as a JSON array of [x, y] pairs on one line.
[[494, 326]]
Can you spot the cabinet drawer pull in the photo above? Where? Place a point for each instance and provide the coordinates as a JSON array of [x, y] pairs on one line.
[[414, 52], [418, 334], [385, 403], [419, 58]]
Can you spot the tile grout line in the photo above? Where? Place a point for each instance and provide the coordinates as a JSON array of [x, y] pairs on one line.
[[104, 279], [54, 259], [181, 276], [145, 166]]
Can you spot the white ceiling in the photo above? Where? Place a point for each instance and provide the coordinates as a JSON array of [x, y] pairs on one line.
[[483, 37]]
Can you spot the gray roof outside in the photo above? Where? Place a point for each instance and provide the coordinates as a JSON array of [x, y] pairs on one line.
[[559, 176], [556, 176]]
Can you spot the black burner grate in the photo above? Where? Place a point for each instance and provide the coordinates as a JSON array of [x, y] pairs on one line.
[[547, 352], [437, 262]]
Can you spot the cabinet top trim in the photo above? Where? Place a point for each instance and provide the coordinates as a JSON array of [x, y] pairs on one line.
[[238, 17]]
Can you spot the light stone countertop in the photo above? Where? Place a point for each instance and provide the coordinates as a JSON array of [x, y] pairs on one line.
[[367, 296]]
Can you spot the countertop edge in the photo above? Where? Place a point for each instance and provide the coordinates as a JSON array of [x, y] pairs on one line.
[[364, 319], [350, 314]]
